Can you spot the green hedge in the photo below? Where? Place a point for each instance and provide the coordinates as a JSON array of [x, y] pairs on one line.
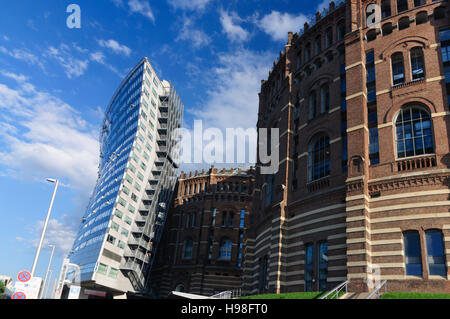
[[414, 295]]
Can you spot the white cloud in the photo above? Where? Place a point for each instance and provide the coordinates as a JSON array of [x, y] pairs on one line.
[[278, 24], [115, 46], [23, 55], [16, 77], [189, 33], [73, 67], [189, 4], [57, 233], [142, 7], [231, 27], [42, 136]]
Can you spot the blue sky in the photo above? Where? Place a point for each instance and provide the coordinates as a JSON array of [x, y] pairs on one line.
[[56, 82]]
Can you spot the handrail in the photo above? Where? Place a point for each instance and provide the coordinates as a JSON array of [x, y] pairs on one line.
[[377, 290], [336, 290]]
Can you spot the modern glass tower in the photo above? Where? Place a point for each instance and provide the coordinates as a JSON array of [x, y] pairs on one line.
[[123, 221]]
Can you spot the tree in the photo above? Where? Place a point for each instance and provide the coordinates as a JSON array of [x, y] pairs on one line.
[[2, 289]]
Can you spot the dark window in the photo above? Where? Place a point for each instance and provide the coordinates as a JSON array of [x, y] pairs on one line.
[[385, 8], [413, 132], [309, 267], [318, 45], [340, 30], [324, 99], [398, 71], [403, 23], [417, 64], [413, 259], [263, 274], [312, 105], [418, 3], [328, 37], [323, 266], [319, 158], [386, 29], [402, 5], [435, 253], [187, 249], [307, 52]]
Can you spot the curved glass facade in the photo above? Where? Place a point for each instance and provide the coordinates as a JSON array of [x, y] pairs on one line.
[[117, 231]]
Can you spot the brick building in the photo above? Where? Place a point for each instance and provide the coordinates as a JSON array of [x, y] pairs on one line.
[[363, 181], [201, 251]]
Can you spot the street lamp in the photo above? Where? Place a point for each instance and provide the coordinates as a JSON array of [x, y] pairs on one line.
[[33, 268], [48, 268]]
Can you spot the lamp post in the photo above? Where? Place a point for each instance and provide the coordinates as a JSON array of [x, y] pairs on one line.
[[48, 269], [33, 268]]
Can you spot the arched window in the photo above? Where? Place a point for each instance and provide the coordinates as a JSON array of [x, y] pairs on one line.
[[312, 104], [414, 135], [385, 8], [398, 71], [328, 37], [386, 29], [225, 249], [309, 267], [319, 157], [403, 23], [323, 266], [421, 17], [413, 259], [187, 249], [324, 99], [299, 60], [435, 253], [417, 64], [402, 5], [371, 35]]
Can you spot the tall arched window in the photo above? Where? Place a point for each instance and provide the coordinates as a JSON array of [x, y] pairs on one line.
[[307, 52], [402, 5], [417, 64], [187, 249], [318, 45], [414, 135], [340, 30], [328, 37], [324, 99], [319, 157], [398, 70], [385, 8], [312, 105], [413, 259], [225, 249], [435, 253]]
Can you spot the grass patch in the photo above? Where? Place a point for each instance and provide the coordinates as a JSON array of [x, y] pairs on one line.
[[414, 295], [290, 295]]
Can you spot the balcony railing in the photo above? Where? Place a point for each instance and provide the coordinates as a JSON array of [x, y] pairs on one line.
[[414, 163], [318, 184]]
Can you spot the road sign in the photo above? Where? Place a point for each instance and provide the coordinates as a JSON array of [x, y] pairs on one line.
[[19, 295], [30, 288], [24, 276], [74, 292]]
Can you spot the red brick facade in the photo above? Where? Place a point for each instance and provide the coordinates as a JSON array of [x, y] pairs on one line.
[[211, 209], [345, 196]]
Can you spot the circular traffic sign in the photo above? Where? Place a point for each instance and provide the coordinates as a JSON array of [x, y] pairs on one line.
[[19, 295], [24, 276]]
